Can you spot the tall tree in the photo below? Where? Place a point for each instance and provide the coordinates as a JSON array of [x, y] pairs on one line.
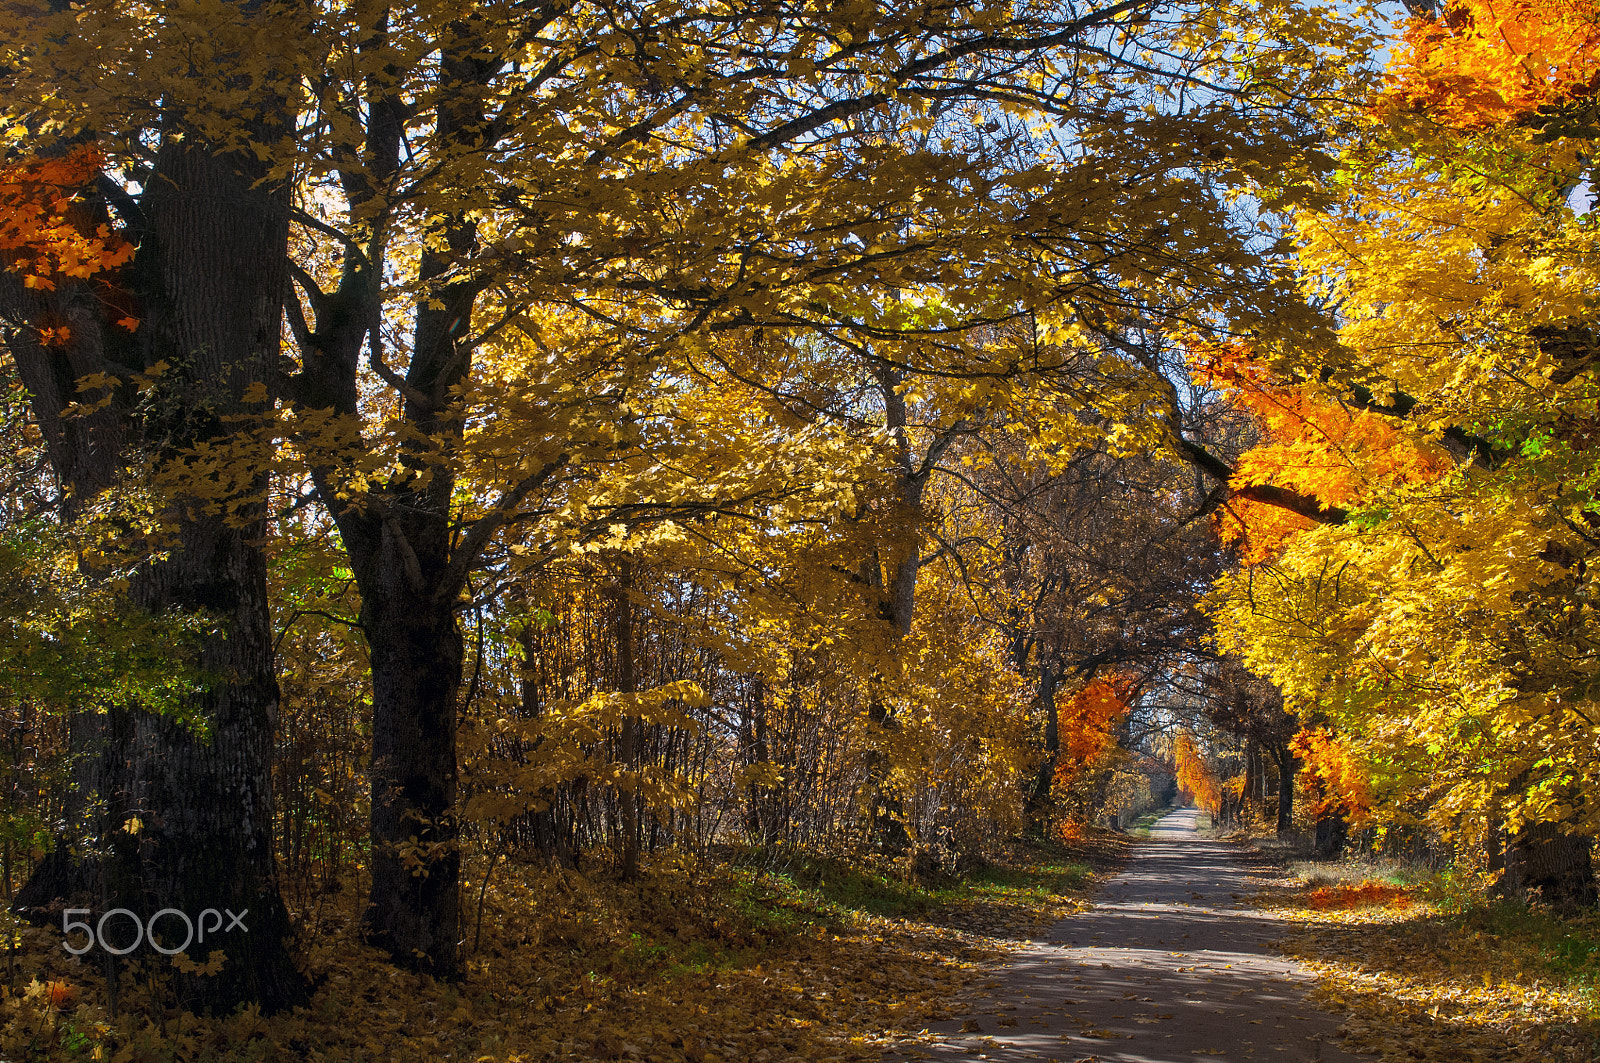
[[1444, 581], [173, 343]]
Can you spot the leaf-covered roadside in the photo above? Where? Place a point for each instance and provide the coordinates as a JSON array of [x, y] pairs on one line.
[[1428, 973], [819, 960]]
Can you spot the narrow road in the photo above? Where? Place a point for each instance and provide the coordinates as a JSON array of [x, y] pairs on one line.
[[1170, 966]]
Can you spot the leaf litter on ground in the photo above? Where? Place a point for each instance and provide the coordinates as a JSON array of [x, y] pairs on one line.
[[1425, 972], [708, 963]]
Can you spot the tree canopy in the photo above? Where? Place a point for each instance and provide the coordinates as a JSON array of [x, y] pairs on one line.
[[446, 431]]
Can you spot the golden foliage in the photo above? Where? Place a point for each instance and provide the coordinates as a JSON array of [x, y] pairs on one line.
[[1314, 445], [1335, 780], [1443, 627]]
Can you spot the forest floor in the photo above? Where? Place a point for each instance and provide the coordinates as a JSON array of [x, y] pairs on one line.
[[1194, 950], [709, 961], [1426, 969]]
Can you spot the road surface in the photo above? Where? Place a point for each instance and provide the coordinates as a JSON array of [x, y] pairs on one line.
[[1170, 966]]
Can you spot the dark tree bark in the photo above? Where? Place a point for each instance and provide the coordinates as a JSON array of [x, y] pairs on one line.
[[1332, 831], [892, 572], [207, 279], [1044, 779], [414, 909], [1544, 863], [765, 825], [1288, 765]]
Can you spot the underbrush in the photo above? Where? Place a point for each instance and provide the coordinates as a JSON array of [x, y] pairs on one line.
[[709, 962]]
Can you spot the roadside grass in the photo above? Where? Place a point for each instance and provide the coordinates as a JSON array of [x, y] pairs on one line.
[[1427, 967], [1140, 827], [715, 961], [1033, 885], [1320, 873]]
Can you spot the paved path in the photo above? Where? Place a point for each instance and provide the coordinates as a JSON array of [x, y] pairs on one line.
[[1169, 967]]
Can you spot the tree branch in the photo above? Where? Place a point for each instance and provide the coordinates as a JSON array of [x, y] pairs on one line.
[[483, 529]]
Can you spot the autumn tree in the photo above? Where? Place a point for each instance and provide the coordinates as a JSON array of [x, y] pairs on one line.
[[143, 312], [664, 180], [1443, 579]]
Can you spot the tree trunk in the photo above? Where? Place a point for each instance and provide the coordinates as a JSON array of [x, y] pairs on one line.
[[414, 909], [1039, 796], [1543, 863], [628, 685], [209, 278], [885, 810], [761, 829], [1287, 767], [403, 554], [1252, 780], [407, 564], [896, 583], [204, 801], [1332, 832], [549, 834]]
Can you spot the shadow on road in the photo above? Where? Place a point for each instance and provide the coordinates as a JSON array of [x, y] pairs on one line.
[[1171, 966]]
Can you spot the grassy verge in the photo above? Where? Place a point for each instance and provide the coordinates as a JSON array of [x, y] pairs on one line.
[[1427, 968], [1036, 884], [1141, 826], [821, 959]]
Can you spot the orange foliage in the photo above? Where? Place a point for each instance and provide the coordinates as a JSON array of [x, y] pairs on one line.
[[1365, 895], [43, 230], [1069, 830], [1485, 62], [1336, 782], [1314, 446], [1195, 776], [1087, 724], [61, 994]]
